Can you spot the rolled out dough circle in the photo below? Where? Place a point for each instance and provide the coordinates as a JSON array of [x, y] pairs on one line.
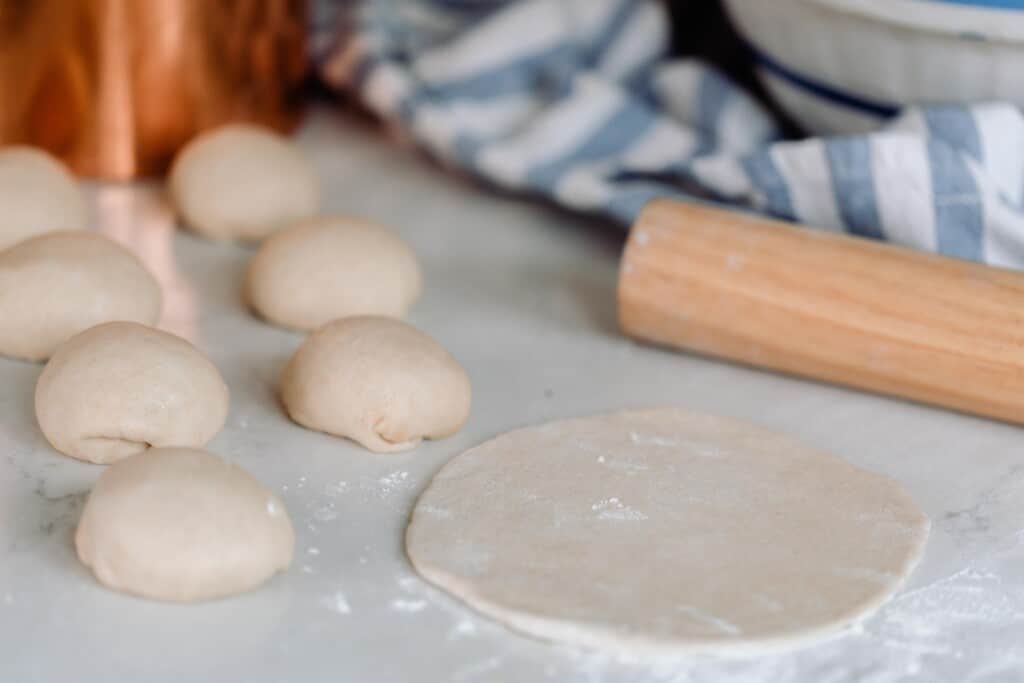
[[664, 532]]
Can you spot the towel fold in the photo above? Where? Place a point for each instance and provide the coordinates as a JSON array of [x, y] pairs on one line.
[[578, 101]]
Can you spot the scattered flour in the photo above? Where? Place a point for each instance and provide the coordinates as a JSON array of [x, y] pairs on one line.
[[383, 487], [410, 584], [463, 629], [401, 605], [394, 480], [614, 509], [338, 603], [324, 507], [327, 513], [652, 440]]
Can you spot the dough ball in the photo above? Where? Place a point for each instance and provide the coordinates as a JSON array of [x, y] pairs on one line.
[[117, 389], [242, 182], [330, 268], [54, 286], [181, 524], [37, 195], [377, 381]]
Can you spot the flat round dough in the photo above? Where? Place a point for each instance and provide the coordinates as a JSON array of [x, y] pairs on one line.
[[120, 388], [54, 286], [244, 182], [182, 525], [377, 381], [38, 195], [664, 532], [329, 268]]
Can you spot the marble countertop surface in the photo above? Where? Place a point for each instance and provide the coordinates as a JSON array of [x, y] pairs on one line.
[[524, 296]]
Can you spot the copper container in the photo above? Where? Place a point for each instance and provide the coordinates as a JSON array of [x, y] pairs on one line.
[[115, 87]]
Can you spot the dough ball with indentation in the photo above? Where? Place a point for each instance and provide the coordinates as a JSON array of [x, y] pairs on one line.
[[242, 182], [37, 195], [181, 524], [54, 286], [330, 268], [377, 381], [117, 389]]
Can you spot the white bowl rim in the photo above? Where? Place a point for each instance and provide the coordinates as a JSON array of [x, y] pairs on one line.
[[965, 21]]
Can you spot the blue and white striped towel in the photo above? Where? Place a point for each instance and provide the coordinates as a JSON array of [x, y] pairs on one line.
[[577, 101]]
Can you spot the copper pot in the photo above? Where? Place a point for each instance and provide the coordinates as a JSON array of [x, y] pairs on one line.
[[115, 87]]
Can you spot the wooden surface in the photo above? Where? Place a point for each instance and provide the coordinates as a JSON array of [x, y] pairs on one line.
[[826, 306]]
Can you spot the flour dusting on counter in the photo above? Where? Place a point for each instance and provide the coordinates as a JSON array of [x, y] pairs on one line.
[[338, 603], [614, 509], [386, 485], [408, 606]]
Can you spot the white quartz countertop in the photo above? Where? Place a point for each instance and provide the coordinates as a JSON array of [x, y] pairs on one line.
[[524, 296]]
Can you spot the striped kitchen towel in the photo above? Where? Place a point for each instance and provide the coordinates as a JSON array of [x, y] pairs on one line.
[[577, 101]]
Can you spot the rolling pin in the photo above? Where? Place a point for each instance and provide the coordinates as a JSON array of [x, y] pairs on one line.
[[826, 306]]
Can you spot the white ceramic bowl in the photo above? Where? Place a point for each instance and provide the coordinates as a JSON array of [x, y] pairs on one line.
[[844, 66]]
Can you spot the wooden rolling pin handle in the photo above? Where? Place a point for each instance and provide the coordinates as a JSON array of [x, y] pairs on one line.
[[831, 307]]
